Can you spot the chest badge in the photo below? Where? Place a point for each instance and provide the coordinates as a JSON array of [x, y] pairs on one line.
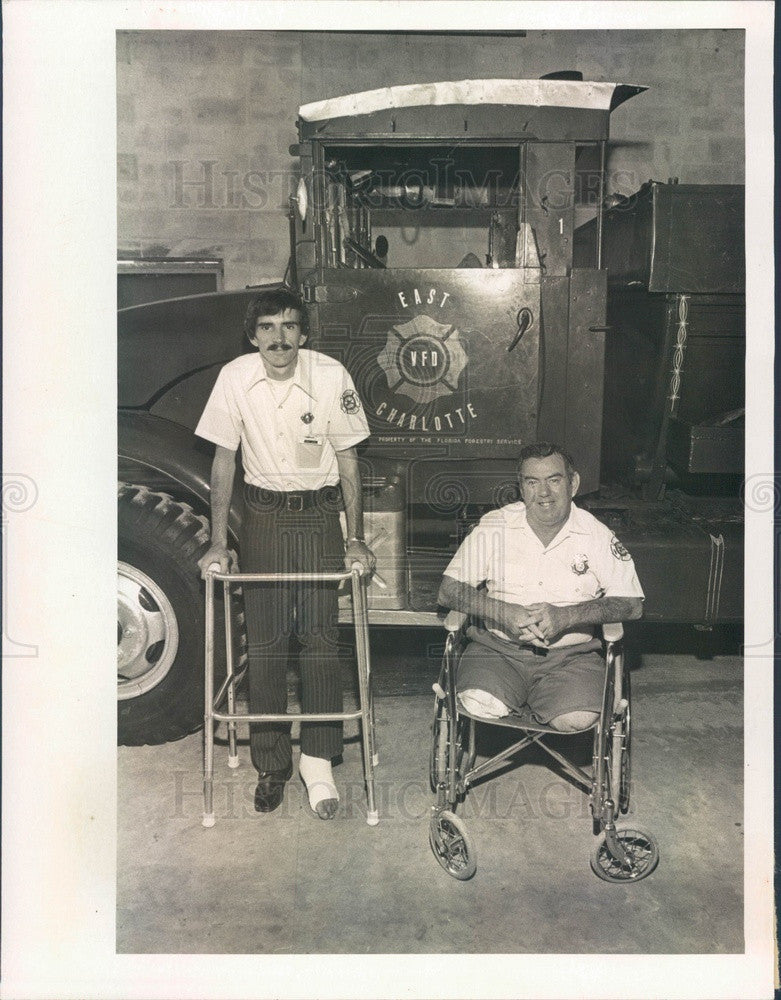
[[580, 564], [307, 417]]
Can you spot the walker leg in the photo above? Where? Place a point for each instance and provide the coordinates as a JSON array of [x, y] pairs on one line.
[[370, 695], [233, 756], [365, 694], [375, 755], [208, 774], [208, 817], [369, 760], [367, 723], [208, 721], [233, 759], [373, 730]]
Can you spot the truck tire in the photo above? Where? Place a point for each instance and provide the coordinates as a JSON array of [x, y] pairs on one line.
[[160, 618]]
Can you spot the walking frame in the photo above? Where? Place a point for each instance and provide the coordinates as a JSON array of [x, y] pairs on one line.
[[227, 689]]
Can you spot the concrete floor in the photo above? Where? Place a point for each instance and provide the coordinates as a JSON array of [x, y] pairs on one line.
[[289, 883]]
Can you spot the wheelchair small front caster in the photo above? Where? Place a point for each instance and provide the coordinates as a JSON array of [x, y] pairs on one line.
[[642, 856], [452, 845]]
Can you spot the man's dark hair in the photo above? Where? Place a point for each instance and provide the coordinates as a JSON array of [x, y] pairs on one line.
[[544, 449], [273, 302]]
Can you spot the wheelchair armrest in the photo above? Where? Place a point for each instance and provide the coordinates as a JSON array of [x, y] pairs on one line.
[[454, 620], [612, 632]]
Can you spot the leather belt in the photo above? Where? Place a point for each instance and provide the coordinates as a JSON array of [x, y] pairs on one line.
[[327, 498]]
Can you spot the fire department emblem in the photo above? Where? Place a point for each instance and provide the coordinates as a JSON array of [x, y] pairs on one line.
[[618, 550], [349, 402], [422, 359], [580, 564]]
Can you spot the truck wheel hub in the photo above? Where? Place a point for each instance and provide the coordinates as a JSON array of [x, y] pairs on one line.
[[147, 632]]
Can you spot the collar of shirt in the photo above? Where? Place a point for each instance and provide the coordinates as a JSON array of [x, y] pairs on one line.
[[302, 376], [574, 525]]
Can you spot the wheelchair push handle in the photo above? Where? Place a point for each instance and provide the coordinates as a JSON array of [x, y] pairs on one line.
[[612, 631]]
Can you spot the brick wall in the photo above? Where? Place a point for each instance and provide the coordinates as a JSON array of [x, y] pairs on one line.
[[205, 119]]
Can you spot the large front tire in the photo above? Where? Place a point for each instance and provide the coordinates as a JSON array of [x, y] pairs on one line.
[[160, 618]]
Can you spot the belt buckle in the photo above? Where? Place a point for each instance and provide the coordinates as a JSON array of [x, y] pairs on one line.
[[295, 503]]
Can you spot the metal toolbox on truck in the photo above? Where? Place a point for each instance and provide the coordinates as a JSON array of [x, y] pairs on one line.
[[686, 238], [675, 350]]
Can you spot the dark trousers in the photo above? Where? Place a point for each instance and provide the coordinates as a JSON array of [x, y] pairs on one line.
[[281, 541]]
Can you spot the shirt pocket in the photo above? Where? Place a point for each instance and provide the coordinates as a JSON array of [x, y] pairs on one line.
[[572, 581], [582, 587], [309, 451]]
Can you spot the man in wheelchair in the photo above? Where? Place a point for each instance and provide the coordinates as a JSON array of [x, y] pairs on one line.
[[538, 575]]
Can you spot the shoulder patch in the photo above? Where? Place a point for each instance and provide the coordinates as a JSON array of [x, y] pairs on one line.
[[349, 402], [618, 550]]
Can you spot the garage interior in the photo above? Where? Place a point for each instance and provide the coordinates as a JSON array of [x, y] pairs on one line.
[[205, 122]]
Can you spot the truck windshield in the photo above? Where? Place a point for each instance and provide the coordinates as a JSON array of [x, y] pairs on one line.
[[421, 206]]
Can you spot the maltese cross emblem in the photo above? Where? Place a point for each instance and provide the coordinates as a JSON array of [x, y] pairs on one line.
[[423, 359]]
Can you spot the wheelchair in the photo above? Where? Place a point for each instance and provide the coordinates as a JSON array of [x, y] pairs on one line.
[[620, 855]]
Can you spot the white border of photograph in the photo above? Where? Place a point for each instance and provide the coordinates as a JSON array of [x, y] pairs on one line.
[[59, 399]]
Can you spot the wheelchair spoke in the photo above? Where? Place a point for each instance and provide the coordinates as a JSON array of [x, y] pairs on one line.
[[640, 851]]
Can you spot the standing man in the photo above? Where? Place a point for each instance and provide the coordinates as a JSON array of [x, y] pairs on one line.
[[297, 417], [539, 574]]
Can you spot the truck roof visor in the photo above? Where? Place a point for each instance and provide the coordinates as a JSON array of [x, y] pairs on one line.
[[586, 95]]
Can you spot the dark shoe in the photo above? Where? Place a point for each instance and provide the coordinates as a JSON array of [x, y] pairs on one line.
[[271, 788]]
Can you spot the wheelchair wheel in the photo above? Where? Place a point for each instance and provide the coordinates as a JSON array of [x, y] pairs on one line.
[[452, 845], [602, 758], [437, 771], [640, 849], [612, 757], [625, 781], [441, 745]]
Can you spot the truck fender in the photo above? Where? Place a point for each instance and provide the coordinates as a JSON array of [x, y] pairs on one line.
[[164, 455]]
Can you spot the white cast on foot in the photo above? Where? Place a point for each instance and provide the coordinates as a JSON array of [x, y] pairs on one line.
[[319, 780]]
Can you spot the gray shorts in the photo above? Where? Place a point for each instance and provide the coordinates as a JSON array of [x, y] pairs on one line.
[[540, 685]]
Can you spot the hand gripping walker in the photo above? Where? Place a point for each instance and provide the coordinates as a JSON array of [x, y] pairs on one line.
[[212, 702]]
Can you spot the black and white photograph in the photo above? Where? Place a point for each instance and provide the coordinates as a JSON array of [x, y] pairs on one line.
[[421, 421]]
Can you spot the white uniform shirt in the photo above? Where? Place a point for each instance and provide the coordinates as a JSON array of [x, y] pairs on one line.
[[585, 561], [291, 443]]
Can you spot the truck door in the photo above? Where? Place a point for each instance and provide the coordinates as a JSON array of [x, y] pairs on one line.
[[445, 360], [428, 290]]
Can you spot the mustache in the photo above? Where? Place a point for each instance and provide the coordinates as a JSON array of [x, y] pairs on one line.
[[279, 347]]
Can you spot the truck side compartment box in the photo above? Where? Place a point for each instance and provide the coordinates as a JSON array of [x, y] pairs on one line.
[[698, 448], [686, 238]]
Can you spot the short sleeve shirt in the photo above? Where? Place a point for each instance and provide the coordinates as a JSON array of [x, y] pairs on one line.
[[288, 440], [585, 561]]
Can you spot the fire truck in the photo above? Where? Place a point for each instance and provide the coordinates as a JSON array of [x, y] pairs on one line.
[[458, 250]]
